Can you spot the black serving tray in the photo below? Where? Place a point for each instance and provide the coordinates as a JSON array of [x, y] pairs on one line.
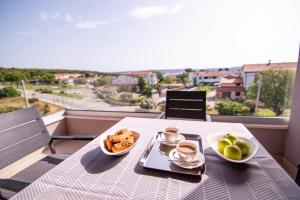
[[156, 156]]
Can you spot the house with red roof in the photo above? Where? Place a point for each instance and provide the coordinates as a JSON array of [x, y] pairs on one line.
[[249, 71], [231, 86]]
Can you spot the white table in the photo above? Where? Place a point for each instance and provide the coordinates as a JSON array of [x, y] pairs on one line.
[[90, 174]]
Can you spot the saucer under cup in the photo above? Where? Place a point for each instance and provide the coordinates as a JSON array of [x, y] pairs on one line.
[[166, 142], [173, 155]]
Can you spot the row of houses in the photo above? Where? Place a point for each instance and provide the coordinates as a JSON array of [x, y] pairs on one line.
[[232, 84]]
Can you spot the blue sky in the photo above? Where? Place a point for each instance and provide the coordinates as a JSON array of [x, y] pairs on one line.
[[118, 35]]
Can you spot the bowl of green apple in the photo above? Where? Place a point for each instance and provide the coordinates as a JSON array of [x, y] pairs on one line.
[[231, 147]]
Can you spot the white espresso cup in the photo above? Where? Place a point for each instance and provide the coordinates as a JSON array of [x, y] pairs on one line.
[[171, 134], [187, 151]]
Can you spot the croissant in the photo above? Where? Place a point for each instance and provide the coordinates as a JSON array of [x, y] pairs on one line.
[[119, 141]]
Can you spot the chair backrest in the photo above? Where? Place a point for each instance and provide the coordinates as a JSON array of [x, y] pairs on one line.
[[298, 176], [21, 133], [186, 104]]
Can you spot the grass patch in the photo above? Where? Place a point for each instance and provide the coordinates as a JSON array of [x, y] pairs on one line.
[[17, 103], [265, 112]]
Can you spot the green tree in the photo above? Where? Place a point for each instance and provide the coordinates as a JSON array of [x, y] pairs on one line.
[[183, 78], [168, 80], [47, 78], [14, 76], [9, 92], [187, 70], [159, 76], [147, 91], [142, 85], [276, 89]]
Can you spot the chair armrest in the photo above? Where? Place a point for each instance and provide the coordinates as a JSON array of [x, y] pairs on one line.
[[73, 137], [69, 137], [162, 116], [13, 185], [208, 118]]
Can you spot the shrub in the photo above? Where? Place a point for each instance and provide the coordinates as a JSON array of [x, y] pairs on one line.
[[126, 97], [3, 94], [265, 112], [229, 107], [205, 88], [33, 100], [46, 90], [46, 108], [9, 92], [147, 104], [124, 88], [80, 81], [251, 104]]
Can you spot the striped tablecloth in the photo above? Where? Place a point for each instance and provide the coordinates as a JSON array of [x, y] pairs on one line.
[[90, 174]]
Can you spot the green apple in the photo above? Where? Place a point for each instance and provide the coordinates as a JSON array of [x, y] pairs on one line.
[[222, 143], [233, 152], [231, 137], [243, 145]]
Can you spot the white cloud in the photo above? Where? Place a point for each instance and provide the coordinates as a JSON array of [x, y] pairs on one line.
[[44, 16], [68, 18], [179, 6], [26, 33], [56, 15], [151, 11], [91, 24]]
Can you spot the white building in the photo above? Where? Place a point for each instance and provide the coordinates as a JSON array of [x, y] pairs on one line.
[[131, 78], [249, 71], [124, 79], [207, 77]]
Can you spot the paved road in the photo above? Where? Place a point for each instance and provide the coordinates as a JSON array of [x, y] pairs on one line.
[[89, 102]]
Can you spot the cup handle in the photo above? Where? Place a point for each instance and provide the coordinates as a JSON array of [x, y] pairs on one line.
[[181, 156]]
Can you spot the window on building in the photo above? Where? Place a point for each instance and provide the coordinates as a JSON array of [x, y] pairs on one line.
[[237, 94], [238, 84]]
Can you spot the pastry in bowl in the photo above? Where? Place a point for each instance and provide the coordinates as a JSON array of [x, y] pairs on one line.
[[120, 142]]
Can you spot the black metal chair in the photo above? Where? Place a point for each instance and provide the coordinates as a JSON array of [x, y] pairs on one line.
[[186, 104], [21, 133]]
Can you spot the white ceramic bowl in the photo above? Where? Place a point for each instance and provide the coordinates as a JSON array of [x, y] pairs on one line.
[[213, 142], [102, 145]]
